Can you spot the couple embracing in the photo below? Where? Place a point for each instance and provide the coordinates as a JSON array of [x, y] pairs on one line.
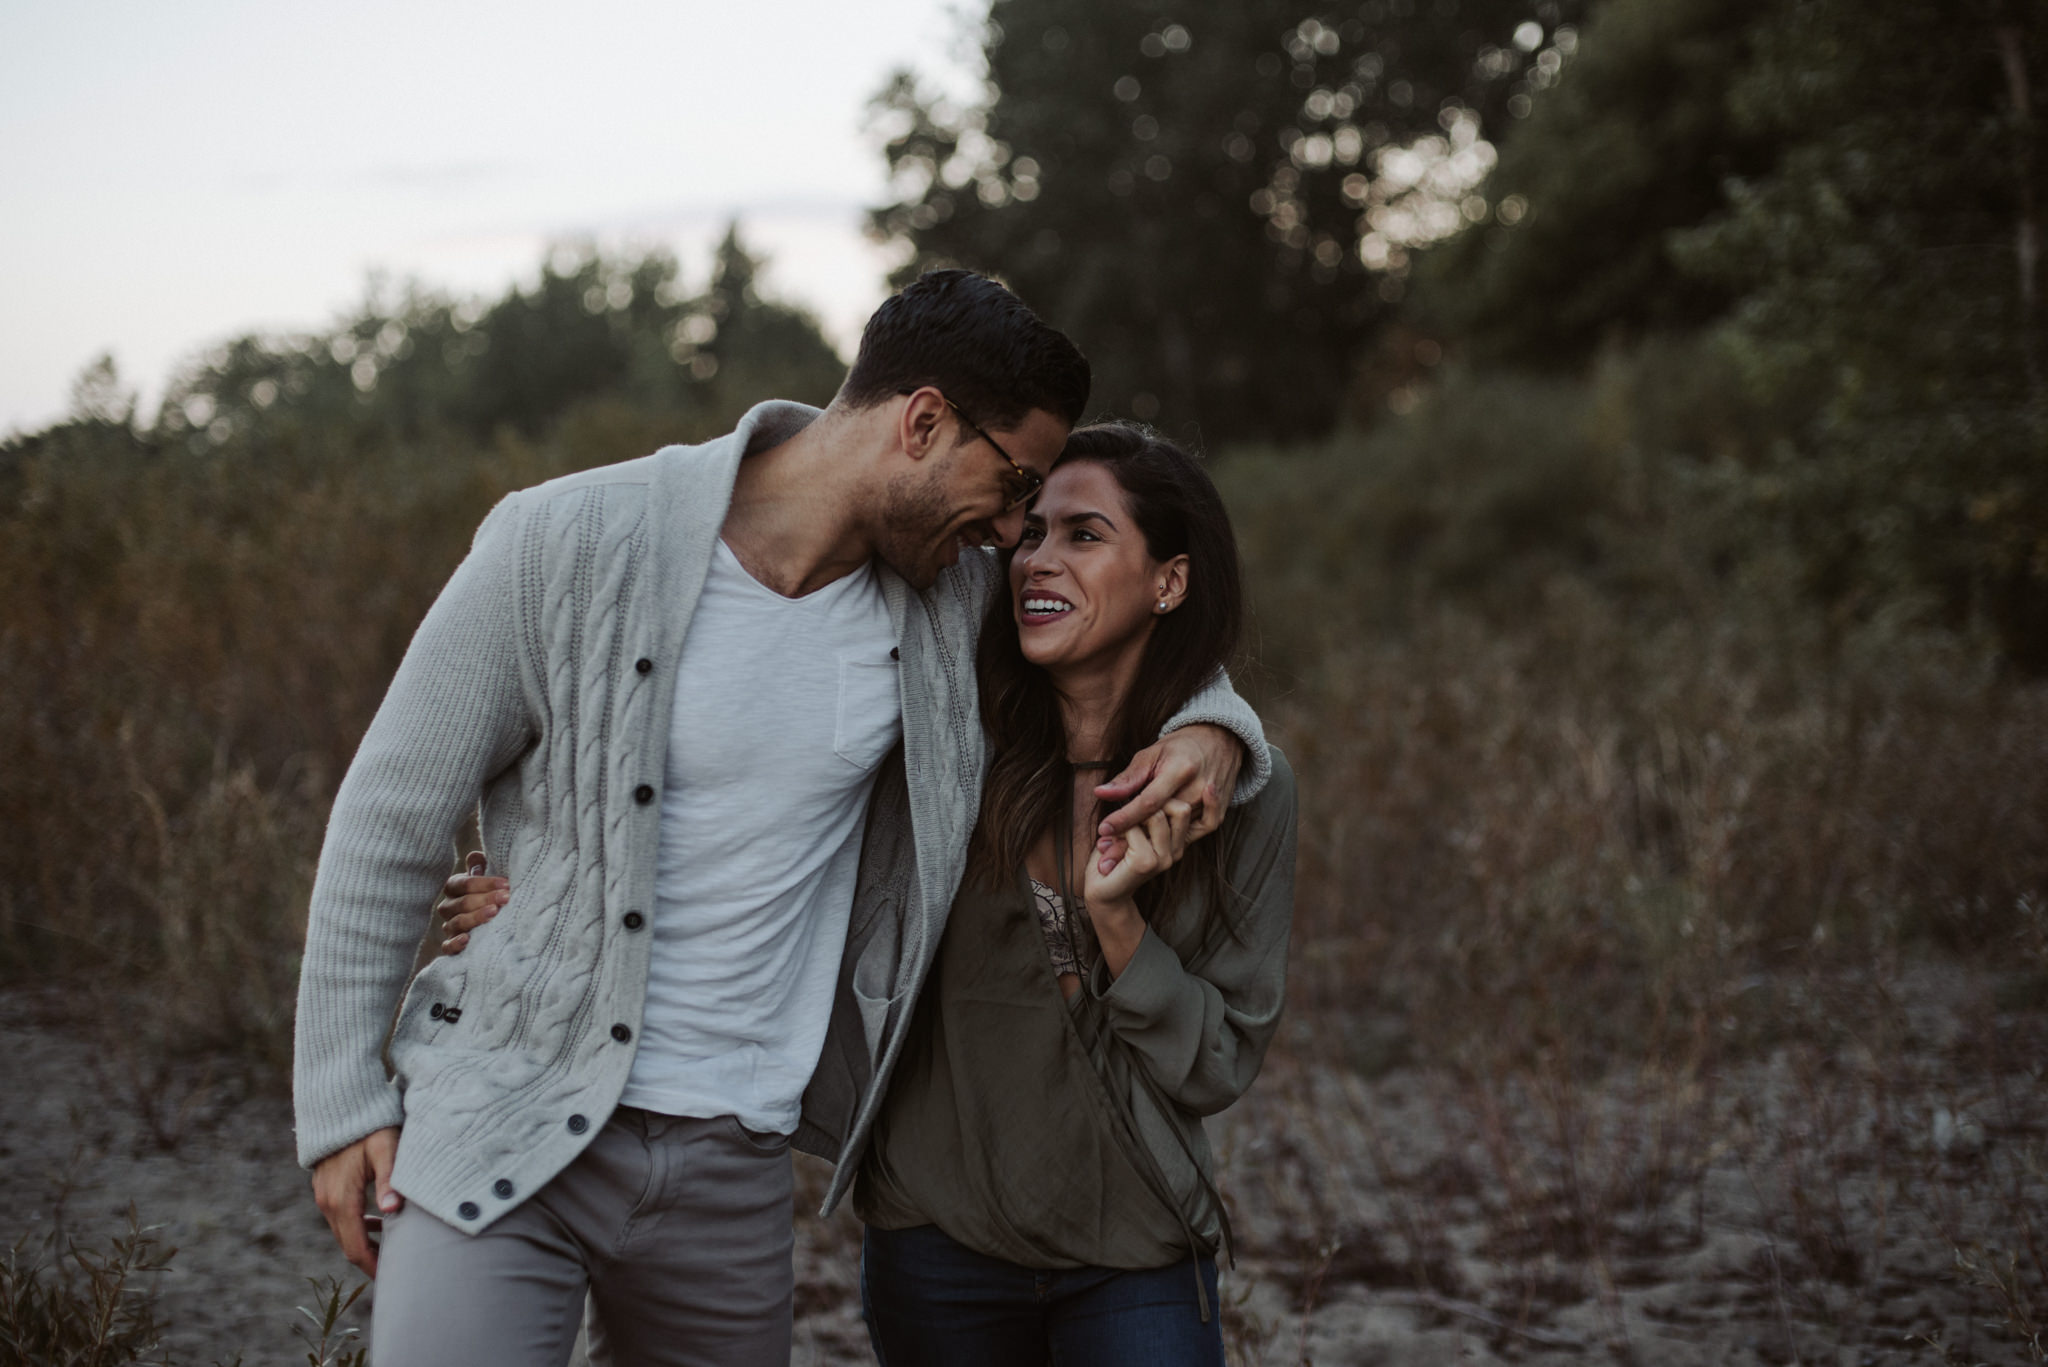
[[812, 821]]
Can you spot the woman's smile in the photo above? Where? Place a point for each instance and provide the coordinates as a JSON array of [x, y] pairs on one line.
[[1042, 606]]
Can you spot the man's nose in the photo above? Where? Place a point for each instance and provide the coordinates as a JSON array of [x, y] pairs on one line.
[[1009, 527]]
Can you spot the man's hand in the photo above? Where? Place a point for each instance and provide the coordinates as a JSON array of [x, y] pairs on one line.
[[338, 1183], [1197, 765], [469, 900]]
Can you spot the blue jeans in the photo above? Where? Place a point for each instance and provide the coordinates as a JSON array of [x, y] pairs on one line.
[[932, 1302]]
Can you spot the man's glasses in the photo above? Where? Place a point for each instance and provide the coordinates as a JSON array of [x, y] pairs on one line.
[[1018, 485]]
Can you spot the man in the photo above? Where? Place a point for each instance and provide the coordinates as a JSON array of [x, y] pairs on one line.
[[729, 763]]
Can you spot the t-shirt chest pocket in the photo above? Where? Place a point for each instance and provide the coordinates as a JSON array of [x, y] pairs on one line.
[[870, 711]]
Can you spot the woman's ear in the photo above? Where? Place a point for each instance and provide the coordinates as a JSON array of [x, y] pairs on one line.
[[1171, 581]]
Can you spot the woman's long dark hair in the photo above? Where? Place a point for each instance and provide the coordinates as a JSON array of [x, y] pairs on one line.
[[1179, 512]]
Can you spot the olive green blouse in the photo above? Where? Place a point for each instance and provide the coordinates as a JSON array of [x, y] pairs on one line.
[[1056, 1133]]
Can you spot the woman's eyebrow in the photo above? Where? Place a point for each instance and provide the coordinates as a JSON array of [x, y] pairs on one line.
[[1076, 519]]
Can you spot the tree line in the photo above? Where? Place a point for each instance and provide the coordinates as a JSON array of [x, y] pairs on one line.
[[1268, 219]]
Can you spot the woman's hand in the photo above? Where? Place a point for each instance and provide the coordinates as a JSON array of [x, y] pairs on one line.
[[1152, 849], [467, 901]]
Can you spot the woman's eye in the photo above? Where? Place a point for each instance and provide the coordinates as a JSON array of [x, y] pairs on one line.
[[1083, 534], [1031, 533]]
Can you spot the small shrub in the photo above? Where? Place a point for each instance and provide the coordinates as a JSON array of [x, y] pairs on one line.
[[82, 1307]]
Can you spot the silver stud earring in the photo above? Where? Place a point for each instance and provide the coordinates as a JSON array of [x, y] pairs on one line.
[[1162, 605]]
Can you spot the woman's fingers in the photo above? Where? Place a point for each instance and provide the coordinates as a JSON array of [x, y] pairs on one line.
[[1151, 853], [467, 912], [461, 923], [1142, 860], [466, 884], [468, 900]]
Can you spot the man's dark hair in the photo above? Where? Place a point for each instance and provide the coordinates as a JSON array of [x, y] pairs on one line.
[[977, 344]]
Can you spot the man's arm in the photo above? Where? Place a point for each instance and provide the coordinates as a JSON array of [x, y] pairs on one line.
[[454, 715], [1199, 755]]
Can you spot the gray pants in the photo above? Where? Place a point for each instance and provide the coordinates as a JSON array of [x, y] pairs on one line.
[[678, 1230]]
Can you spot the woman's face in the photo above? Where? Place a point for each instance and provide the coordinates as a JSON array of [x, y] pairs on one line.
[[1084, 588]]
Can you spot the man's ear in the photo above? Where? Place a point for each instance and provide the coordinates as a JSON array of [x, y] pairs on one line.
[[919, 424]]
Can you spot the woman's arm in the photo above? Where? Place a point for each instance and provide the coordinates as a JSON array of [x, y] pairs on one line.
[[1201, 1032]]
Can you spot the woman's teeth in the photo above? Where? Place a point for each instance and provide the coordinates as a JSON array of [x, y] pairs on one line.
[[1043, 606]]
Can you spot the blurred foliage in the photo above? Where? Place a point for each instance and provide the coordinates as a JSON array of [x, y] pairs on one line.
[[1851, 197], [1636, 140], [1889, 285], [1229, 207], [594, 327], [1217, 200]]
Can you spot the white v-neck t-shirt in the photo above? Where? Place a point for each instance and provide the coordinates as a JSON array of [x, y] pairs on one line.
[[784, 710]]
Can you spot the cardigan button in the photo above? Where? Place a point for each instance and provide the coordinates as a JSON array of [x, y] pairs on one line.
[[633, 920], [644, 794], [621, 1034], [468, 1210], [577, 1124], [436, 1011], [643, 666], [503, 1188], [894, 653]]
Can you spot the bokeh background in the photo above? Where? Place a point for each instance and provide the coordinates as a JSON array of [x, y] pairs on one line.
[[1635, 415]]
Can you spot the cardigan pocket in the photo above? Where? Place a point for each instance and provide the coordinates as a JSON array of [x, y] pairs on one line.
[[433, 1004], [875, 982]]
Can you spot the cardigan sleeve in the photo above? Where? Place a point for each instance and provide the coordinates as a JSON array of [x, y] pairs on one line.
[[1219, 705], [455, 714], [1201, 1032]]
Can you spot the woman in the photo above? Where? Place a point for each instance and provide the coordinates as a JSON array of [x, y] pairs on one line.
[[1038, 1186]]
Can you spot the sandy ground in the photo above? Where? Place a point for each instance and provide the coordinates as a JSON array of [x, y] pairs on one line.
[[1806, 1205]]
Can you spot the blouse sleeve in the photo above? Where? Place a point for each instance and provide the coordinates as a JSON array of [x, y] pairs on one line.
[[1202, 1032]]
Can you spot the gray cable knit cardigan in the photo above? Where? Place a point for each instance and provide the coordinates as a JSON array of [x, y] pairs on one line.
[[541, 681]]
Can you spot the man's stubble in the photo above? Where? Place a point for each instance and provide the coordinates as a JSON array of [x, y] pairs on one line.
[[911, 539]]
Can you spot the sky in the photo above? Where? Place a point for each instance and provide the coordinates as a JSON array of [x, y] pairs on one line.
[[175, 174]]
